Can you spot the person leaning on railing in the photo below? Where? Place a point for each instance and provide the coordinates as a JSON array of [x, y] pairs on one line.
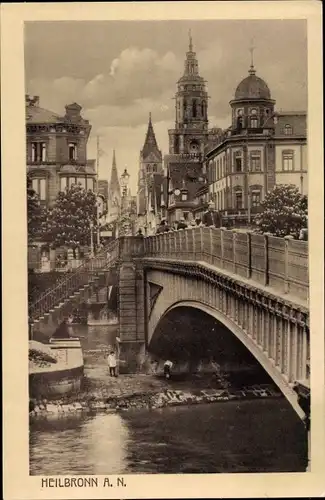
[[211, 217], [163, 226]]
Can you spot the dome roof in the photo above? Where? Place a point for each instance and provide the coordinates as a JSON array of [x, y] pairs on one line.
[[252, 87]]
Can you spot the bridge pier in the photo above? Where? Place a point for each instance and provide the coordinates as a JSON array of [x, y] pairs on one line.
[[131, 306]]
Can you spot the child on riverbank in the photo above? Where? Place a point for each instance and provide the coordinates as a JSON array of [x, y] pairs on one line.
[[111, 359]]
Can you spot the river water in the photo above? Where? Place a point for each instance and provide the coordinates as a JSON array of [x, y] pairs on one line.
[[261, 435]]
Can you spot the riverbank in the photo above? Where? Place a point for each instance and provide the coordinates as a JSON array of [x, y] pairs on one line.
[[145, 392]]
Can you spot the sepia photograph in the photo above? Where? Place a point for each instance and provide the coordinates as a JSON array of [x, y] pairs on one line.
[[167, 249]]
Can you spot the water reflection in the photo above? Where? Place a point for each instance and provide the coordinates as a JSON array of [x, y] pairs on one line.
[[249, 436]]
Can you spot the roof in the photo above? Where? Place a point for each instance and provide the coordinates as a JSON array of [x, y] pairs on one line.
[[150, 143], [252, 87], [186, 176], [35, 114], [114, 185], [297, 120]]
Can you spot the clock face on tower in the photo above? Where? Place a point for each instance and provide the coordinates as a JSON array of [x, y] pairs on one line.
[[194, 147]]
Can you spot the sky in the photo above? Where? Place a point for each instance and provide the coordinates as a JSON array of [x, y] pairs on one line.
[[119, 71]]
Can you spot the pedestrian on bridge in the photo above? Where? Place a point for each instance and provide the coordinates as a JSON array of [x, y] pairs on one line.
[[181, 224], [111, 359], [163, 226], [211, 217]]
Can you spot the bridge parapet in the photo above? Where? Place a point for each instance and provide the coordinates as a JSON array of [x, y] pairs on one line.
[[281, 263]]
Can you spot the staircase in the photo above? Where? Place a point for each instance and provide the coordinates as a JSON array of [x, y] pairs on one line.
[[52, 307]]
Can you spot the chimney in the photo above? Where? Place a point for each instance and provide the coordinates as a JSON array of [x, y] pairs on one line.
[[31, 100], [72, 112]]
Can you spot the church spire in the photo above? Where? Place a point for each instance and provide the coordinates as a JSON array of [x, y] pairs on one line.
[[114, 185], [190, 47], [191, 64], [150, 143]]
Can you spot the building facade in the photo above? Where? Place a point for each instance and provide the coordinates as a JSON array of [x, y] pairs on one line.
[[261, 148], [150, 199], [187, 141], [56, 150]]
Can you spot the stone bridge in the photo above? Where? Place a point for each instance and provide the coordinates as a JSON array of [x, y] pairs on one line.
[[255, 285]]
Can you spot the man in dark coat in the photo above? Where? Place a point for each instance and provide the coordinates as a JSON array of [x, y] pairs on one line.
[[163, 226], [181, 224], [211, 217]]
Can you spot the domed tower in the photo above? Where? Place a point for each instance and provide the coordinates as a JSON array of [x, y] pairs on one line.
[[191, 99], [252, 107]]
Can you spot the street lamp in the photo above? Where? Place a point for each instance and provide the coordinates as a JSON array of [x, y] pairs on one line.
[[91, 225], [125, 182]]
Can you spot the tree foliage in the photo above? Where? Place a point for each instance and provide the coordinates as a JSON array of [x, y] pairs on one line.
[[70, 219], [284, 212]]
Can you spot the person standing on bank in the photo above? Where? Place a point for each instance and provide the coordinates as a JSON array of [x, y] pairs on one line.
[[211, 217], [111, 359], [168, 365]]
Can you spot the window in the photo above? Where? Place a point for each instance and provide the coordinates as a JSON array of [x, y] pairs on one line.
[[82, 181], [194, 110], [39, 186], [176, 144], [253, 122], [72, 151], [238, 162], [203, 109], [184, 196], [90, 183], [63, 183], [154, 168], [287, 161], [238, 200], [185, 215], [256, 198], [255, 161], [287, 130], [38, 151]]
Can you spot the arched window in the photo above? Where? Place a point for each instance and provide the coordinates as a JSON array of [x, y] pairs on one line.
[[203, 109], [239, 119], [253, 118], [253, 122], [154, 168], [194, 109], [185, 108], [287, 129]]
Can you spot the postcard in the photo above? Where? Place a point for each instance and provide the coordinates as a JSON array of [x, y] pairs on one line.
[[163, 253]]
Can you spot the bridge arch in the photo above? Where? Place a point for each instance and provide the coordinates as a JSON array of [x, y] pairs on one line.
[[161, 310]]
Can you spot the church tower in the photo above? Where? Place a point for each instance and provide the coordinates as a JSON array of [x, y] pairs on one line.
[[191, 123], [150, 167], [114, 193], [184, 163]]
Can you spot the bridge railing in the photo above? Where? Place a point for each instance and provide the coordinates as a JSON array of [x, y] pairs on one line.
[[74, 280], [281, 263]]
